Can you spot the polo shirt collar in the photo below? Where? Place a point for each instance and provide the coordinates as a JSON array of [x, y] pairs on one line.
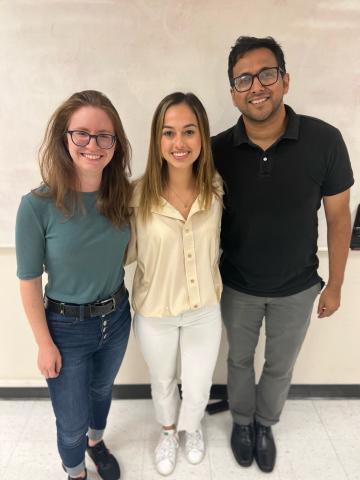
[[291, 132]]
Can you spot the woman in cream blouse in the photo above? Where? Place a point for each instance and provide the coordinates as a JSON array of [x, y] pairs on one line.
[[176, 213]]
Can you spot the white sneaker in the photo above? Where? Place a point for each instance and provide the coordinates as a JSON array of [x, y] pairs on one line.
[[165, 452], [194, 446]]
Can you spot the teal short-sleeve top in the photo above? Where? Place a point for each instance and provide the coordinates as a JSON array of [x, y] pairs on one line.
[[83, 255]]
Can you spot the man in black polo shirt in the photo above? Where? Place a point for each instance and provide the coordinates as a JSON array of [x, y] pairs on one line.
[[277, 166]]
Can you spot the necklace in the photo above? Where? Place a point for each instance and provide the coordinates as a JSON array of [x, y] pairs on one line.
[[185, 204]]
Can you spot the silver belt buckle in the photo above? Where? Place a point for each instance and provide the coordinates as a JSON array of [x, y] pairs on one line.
[[104, 302], [113, 301]]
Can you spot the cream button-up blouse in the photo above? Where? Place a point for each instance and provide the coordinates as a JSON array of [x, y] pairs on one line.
[[177, 259]]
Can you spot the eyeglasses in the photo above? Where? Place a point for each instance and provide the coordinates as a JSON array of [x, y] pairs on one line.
[[81, 139], [267, 77]]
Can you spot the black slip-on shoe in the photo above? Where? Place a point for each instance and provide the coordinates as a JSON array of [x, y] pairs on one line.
[[106, 464]]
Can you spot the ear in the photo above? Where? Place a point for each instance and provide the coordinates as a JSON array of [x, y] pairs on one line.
[[286, 82], [233, 93]]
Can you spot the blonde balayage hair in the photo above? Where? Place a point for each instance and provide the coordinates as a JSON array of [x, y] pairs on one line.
[[57, 167], [155, 178]]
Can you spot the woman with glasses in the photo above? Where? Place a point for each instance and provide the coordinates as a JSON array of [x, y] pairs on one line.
[[75, 227], [177, 208]]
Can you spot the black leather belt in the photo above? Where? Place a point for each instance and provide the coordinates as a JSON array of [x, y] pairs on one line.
[[102, 307]]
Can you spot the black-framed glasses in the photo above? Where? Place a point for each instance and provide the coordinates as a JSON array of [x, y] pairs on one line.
[[266, 76], [81, 139]]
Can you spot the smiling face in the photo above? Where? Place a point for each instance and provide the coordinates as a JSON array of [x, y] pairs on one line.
[[90, 160], [259, 104], [180, 139]]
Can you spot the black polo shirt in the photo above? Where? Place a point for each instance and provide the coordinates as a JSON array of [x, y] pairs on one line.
[[269, 227]]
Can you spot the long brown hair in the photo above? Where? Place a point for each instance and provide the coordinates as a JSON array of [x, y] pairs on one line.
[[155, 178], [57, 167]]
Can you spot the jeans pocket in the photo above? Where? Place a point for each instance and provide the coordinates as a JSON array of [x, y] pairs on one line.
[[56, 319]]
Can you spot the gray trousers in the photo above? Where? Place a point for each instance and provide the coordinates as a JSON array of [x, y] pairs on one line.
[[286, 323]]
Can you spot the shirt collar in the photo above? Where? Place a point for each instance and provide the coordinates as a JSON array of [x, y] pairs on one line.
[[291, 131], [168, 210]]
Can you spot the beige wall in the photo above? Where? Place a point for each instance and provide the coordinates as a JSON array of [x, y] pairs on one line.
[[136, 52], [330, 355]]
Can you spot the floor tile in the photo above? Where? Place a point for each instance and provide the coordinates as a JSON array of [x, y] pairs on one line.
[[128, 420], [14, 416], [316, 440], [219, 426], [304, 449], [224, 466], [130, 455], [342, 424]]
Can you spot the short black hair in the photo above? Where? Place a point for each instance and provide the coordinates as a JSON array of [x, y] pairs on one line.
[[245, 44]]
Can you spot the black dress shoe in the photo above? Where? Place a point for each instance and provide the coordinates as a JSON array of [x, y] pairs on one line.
[[265, 450], [242, 444]]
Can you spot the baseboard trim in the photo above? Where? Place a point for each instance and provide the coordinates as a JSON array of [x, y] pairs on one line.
[[142, 391]]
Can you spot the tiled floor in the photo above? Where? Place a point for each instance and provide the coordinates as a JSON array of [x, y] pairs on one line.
[[316, 440]]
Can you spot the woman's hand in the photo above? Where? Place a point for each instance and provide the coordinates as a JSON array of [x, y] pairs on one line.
[[49, 360]]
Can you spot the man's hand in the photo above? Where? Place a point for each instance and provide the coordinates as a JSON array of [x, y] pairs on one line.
[[49, 361], [329, 301]]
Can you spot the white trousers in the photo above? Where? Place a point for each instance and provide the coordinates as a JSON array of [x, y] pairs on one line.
[[197, 335]]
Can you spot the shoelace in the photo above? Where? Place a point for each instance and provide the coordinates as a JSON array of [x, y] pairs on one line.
[[194, 441], [262, 429], [166, 448], [244, 434]]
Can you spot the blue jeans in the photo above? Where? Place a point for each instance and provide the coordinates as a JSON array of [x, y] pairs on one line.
[[92, 350]]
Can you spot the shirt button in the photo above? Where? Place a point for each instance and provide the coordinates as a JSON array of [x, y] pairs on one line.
[[196, 306], [187, 230], [192, 281], [265, 159], [105, 335], [104, 322], [189, 255]]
